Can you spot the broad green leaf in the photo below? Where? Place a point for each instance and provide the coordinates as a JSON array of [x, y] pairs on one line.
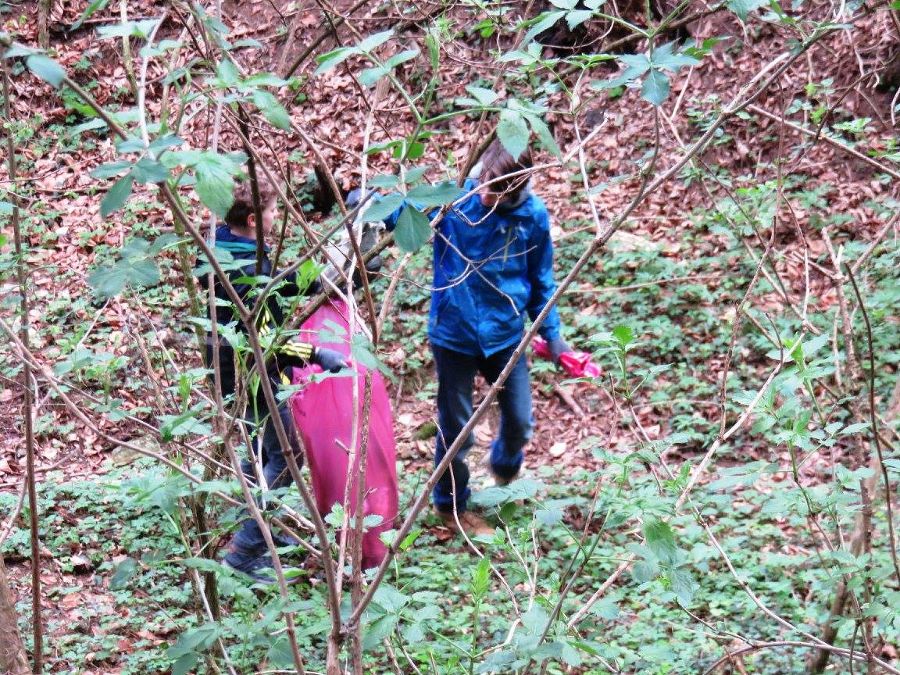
[[272, 110], [109, 170], [743, 7], [124, 571], [165, 142], [369, 76], [227, 73], [384, 181], [660, 538], [513, 132], [373, 41], [138, 29], [656, 87], [402, 57], [413, 230], [378, 630], [264, 80], [665, 57], [481, 578], [545, 136], [484, 96], [185, 663], [46, 68], [383, 208], [545, 22], [565, 4], [623, 335], [434, 195], [578, 17], [333, 58], [6, 208], [215, 181], [116, 196], [90, 10], [149, 171]]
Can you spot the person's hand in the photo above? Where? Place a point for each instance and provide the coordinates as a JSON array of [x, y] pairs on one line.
[[558, 347], [329, 359]]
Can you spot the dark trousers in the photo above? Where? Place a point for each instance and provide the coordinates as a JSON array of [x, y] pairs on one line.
[[456, 379], [264, 445]]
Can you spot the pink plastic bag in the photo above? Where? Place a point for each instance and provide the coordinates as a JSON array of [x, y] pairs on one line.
[[323, 413], [576, 364]]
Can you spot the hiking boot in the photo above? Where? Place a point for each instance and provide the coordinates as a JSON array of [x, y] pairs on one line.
[[472, 525], [284, 540], [258, 568], [503, 481]]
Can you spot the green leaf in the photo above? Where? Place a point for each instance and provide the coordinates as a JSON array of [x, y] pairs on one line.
[[623, 335], [109, 170], [544, 22], [664, 57], [385, 181], [481, 578], [149, 171], [382, 208], [435, 195], [227, 73], [46, 68], [185, 663], [335, 517], [513, 132], [90, 10], [373, 41], [215, 181], [6, 208], [272, 110], [578, 17], [413, 230], [138, 29], [743, 7], [545, 136], [656, 87], [370, 76], [124, 571], [378, 630], [116, 196], [660, 538], [484, 96], [333, 58]]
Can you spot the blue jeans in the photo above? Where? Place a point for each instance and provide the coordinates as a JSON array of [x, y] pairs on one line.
[[249, 539], [456, 378]]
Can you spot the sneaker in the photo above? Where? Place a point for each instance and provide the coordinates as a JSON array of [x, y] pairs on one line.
[[472, 525]]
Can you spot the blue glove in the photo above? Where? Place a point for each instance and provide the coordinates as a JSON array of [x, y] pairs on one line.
[[558, 347], [329, 359]]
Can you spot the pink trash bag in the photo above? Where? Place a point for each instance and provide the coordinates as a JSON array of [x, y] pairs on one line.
[[323, 414], [576, 364]]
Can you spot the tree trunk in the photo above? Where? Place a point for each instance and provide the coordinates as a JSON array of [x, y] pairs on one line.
[[12, 651]]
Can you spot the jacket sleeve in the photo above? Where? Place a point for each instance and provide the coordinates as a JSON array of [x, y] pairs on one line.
[[292, 353], [540, 276]]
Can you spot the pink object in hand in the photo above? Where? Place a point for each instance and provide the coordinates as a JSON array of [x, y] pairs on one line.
[[575, 364], [323, 413]]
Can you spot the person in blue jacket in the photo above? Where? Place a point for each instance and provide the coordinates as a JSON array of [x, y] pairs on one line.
[[493, 265]]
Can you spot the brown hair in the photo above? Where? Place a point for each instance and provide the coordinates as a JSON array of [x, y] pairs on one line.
[[496, 162], [242, 208]]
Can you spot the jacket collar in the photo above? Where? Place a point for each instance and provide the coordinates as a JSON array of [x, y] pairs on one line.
[[228, 240]]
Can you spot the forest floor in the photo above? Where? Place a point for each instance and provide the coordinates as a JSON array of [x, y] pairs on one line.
[[673, 275]]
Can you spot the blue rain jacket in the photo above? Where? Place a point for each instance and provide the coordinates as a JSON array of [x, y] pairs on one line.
[[491, 268]]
